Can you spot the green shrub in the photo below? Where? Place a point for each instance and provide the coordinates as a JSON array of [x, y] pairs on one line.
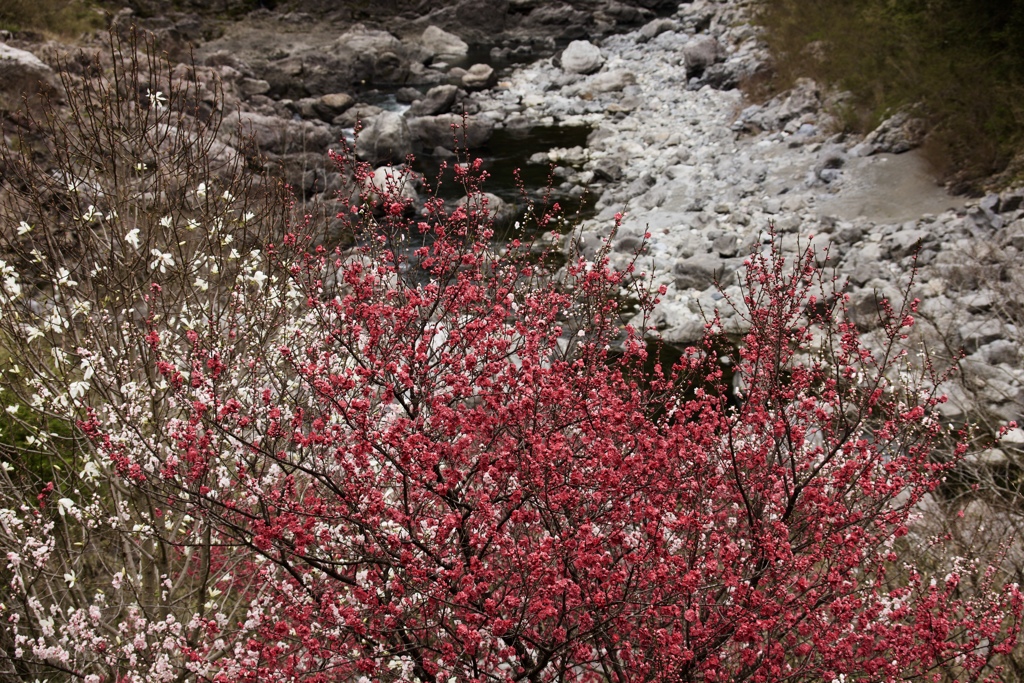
[[61, 17], [960, 61]]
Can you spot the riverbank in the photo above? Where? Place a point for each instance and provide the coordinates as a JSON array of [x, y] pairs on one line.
[[704, 172], [644, 116]]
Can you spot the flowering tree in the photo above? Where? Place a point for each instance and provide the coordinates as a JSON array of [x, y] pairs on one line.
[[432, 458]]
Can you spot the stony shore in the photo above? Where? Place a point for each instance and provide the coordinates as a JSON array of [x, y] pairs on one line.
[[704, 172]]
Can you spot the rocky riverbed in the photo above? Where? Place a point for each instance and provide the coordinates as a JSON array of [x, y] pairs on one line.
[[640, 110], [704, 172]]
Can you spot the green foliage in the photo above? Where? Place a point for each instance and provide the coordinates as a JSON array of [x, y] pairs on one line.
[[62, 17], [960, 61], [32, 444]]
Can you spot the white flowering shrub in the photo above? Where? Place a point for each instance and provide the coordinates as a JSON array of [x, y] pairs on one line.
[[124, 218]]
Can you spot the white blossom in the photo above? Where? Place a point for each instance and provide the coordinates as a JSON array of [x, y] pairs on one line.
[[90, 214], [162, 260], [78, 389], [157, 99], [132, 238], [65, 505], [64, 278]]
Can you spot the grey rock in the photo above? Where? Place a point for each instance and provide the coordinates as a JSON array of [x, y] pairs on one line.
[[727, 244], [333, 104], [440, 43], [306, 173], [957, 405], [253, 86], [486, 19], [629, 244], [437, 100], [446, 130], [849, 234], [865, 308], [656, 27], [566, 20], [22, 74], [479, 77], [607, 169], [863, 264], [723, 75], [276, 135], [359, 54], [599, 135], [385, 139], [702, 271], [496, 208], [699, 53], [390, 68], [407, 95], [423, 76], [697, 16], [824, 249], [687, 331], [285, 77], [1000, 351], [582, 57], [615, 80], [1011, 200], [975, 334], [831, 157], [360, 113], [985, 220], [899, 133], [443, 153], [803, 98], [906, 242], [389, 183], [990, 203], [978, 302], [304, 107]]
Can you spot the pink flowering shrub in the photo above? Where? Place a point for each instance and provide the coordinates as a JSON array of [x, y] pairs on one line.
[[430, 458]]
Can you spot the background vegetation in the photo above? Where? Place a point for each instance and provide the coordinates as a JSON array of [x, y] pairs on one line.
[[961, 62], [67, 18]]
